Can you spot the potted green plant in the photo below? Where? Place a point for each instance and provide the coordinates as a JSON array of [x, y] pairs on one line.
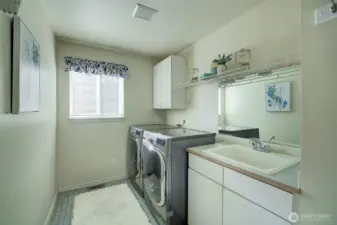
[[222, 62]]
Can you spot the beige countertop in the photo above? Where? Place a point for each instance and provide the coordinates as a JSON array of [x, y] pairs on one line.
[[286, 180]]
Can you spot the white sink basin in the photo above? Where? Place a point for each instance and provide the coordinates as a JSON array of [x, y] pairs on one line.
[[240, 156]]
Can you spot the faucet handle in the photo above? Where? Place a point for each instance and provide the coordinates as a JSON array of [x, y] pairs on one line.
[[255, 143], [259, 145]]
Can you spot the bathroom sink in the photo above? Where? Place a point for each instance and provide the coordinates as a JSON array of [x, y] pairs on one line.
[[240, 156]]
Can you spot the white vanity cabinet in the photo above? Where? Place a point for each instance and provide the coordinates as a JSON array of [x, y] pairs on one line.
[[204, 200], [238, 210], [169, 72], [218, 195]]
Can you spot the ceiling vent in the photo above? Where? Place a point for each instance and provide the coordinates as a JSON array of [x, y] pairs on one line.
[[143, 12]]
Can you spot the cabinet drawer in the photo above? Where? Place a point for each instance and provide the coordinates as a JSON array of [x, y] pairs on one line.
[[206, 168], [238, 210], [271, 198]]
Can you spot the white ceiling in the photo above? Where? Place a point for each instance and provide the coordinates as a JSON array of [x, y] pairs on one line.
[[178, 23]]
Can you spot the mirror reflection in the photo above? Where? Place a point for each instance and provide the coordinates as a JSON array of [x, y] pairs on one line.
[[267, 108]]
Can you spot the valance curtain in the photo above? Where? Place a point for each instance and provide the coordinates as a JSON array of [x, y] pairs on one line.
[[95, 67]]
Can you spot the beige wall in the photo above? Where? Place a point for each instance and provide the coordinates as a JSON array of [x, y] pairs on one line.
[[27, 142], [95, 151], [271, 30], [245, 105], [319, 122]]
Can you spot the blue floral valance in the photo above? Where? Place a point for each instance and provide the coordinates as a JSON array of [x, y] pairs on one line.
[[95, 67]]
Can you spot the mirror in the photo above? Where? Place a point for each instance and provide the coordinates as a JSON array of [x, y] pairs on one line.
[[266, 107]]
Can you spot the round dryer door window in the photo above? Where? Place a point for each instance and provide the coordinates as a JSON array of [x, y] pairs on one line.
[[154, 174]]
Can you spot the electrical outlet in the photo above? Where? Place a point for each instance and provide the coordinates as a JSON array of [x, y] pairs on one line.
[[324, 14]]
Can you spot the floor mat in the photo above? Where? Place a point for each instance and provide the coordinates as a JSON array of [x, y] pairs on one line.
[[112, 205]]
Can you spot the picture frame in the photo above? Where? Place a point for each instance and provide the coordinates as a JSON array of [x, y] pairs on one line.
[[25, 69], [278, 97]]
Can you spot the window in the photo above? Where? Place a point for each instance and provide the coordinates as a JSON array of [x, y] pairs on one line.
[[96, 96]]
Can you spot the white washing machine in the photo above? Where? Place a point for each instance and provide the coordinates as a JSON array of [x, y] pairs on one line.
[[134, 145], [165, 170]]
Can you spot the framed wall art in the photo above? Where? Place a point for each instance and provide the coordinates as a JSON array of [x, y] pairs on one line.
[[26, 69]]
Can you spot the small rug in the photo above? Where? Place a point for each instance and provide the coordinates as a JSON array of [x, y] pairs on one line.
[[114, 205]]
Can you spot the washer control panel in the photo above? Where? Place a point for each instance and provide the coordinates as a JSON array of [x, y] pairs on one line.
[[155, 139], [160, 142], [136, 132]]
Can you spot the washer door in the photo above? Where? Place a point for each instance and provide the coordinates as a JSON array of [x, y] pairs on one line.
[[153, 173], [134, 156]]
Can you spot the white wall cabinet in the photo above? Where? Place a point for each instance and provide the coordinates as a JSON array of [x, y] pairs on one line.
[[204, 200], [169, 72]]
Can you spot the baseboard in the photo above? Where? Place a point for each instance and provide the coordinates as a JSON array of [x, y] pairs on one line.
[[51, 209], [85, 185]]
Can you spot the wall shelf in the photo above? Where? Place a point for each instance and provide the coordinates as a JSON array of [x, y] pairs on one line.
[[290, 71], [239, 74]]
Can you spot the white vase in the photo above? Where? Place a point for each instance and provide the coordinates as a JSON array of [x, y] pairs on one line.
[[221, 68]]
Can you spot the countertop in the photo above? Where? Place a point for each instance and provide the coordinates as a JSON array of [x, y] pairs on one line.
[[286, 180]]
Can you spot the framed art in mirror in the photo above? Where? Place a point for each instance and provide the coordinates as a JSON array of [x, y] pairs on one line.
[[278, 97]]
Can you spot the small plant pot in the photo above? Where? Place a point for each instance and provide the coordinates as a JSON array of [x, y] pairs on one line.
[[221, 68]]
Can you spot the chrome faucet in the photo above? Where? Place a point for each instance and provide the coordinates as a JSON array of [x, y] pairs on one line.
[[258, 145], [272, 138]]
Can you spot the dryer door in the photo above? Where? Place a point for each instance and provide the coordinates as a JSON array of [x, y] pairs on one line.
[[153, 173]]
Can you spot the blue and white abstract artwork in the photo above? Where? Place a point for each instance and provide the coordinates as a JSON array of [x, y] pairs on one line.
[[278, 97], [26, 69]]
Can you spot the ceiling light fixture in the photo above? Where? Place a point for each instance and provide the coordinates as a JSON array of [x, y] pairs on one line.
[[143, 12]]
